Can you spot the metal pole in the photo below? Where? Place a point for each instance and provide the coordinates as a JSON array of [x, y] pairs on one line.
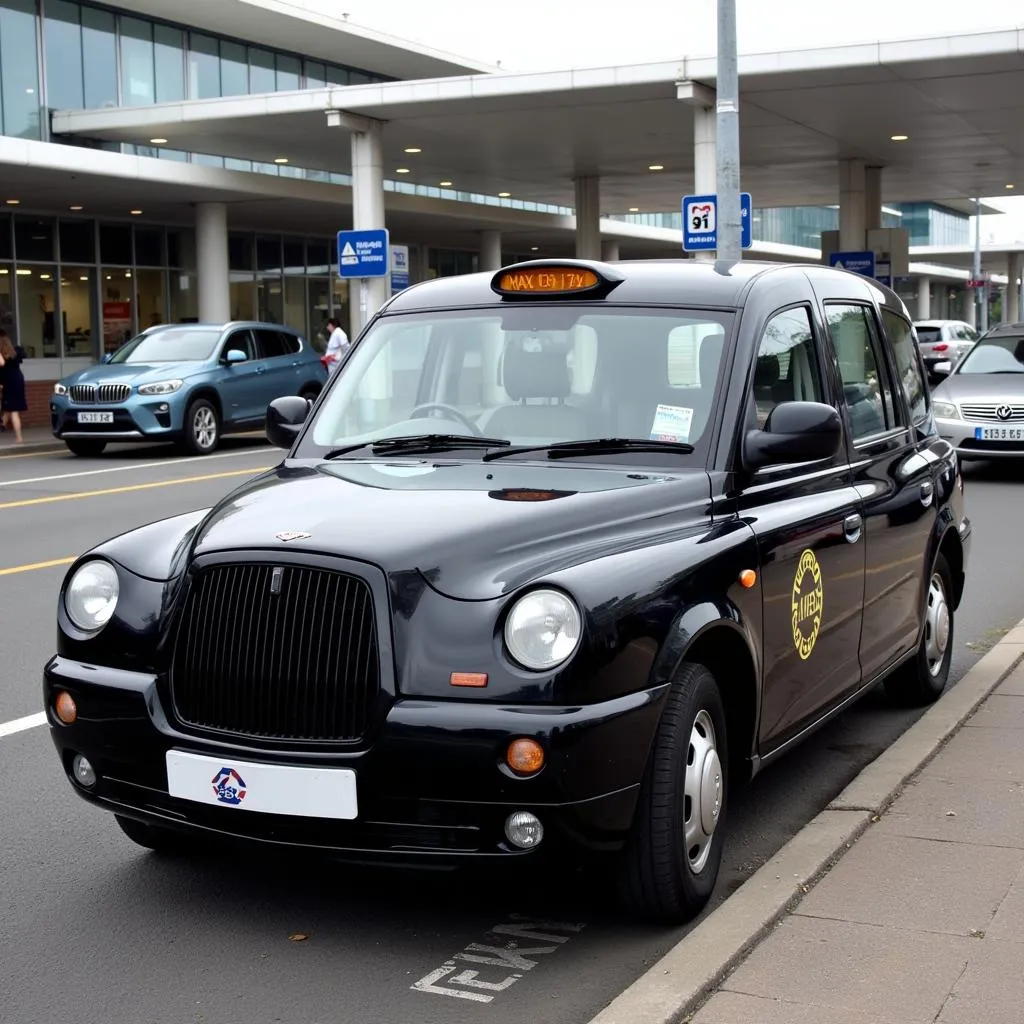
[[980, 292], [727, 148]]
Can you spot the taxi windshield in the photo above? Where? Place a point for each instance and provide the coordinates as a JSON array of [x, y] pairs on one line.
[[1002, 353], [530, 375]]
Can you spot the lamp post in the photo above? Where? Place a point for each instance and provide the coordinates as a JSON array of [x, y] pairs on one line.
[[727, 149]]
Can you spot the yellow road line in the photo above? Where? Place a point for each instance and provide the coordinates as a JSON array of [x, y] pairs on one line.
[[38, 454], [52, 564], [74, 496]]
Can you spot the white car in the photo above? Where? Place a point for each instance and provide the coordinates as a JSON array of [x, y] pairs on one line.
[[944, 340]]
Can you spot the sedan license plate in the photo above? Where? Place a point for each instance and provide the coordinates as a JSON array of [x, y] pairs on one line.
[[95, 417], [268, 788], [999, 433]]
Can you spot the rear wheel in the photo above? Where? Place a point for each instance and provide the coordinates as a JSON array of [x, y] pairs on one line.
[[85, 447], [922, 680], [673, 853], [152, 837], [202, 427]]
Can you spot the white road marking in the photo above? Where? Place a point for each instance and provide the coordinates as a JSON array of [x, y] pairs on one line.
[[508, 954], [167, 463], [21, 724]]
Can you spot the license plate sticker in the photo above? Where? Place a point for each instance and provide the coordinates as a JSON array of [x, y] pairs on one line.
[[999, 433], [266, 788], [95, 417]]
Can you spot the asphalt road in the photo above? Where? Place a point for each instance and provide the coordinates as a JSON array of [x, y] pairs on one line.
[[95, 930]]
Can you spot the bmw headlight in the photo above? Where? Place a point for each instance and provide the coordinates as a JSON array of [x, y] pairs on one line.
[[59, 389], [91, 595], [543, 629], [945, 410], [163, 387]]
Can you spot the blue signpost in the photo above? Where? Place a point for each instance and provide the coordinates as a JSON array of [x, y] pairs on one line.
[[856, 262], [364, 253], [700, 222]]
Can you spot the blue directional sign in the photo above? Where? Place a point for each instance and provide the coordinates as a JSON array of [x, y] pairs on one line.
[[855, 262], [700, 222], [364, 253]]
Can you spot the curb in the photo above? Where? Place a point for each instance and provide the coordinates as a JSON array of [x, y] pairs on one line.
[[690, 972]]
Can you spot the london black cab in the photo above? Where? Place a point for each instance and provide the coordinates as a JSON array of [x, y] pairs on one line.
[[560, 556]]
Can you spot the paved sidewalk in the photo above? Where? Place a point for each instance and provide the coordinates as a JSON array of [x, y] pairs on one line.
[[922, 920]]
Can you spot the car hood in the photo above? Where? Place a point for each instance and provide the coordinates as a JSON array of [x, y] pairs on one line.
[[986, 387], [474, 530], [134, 373]]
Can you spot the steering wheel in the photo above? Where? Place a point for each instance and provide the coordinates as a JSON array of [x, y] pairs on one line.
[[428, 407]]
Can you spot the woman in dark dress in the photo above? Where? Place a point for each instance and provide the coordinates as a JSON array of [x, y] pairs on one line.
[[12, 402]]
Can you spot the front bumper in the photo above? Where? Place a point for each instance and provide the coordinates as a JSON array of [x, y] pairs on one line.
[[150, 419], [430, 785], [977, 440]]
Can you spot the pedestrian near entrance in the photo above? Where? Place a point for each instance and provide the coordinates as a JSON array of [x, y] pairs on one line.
[[12, 402], [337, 345]]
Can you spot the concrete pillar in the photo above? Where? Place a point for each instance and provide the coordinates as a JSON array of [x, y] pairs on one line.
[[609, 250], [490, 250], [852, 219], [971, 307], [1011, 307], [924, 298], [872, 197], [367, 214], [588, 218], [705, 160], [212, 262]]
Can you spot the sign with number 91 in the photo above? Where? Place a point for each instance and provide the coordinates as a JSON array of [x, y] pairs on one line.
[[700, 217]]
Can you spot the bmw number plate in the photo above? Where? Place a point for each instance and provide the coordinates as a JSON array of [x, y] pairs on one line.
[[95, 417], [270, 788], [999, 433]]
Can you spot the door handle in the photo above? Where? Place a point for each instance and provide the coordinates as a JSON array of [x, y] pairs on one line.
[[261, 369], [851, 527], [927, 493]]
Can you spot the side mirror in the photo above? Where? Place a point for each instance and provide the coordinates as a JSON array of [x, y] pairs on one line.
[[285, 417], [794, 432], [942, 370], [235, 355], [107, 357]]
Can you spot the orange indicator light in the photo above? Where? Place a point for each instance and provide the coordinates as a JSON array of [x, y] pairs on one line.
[[468, 679], [65, 707], [748, 578], [525, 756]]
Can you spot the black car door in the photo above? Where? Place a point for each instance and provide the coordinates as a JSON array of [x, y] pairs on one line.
[[805, 518], [893, 472]]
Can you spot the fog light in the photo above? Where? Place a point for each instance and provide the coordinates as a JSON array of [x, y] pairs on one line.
[[85, 774], [65, 707], [524, 830], [163, 407], [525, 756]]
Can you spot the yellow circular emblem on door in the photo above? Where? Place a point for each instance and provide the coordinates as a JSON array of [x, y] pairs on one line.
[[807, 602]]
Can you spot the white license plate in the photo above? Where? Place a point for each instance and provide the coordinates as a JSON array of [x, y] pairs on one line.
[[999, 433], [269, 788], [95, 417]]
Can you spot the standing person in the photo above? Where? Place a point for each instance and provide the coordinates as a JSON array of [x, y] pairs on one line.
[[13, 402], [337, 345]]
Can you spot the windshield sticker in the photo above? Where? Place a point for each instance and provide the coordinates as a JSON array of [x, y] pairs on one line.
[[807, 603], [671, 423]]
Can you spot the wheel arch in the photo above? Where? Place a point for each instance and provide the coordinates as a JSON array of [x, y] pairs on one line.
[[951, 548], [211, 394]]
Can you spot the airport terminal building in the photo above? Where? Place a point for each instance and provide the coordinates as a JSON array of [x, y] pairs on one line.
[[190, 206]]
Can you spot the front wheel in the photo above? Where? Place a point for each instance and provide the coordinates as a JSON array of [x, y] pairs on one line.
[[202, 427], [673, 853], [84, 447], [922, 680]]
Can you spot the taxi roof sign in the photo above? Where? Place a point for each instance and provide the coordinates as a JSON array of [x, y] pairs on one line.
[[554, 279]]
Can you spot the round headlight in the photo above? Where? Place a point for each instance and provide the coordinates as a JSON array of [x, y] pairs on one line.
[[543, 629], [91, 595], [944, 410]]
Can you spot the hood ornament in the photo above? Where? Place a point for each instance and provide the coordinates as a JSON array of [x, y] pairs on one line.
[[293, 535]]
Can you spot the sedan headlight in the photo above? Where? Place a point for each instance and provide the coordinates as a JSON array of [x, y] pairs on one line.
[[163, 387], [59, 389], [543, 630], [91, 595], [945, 410]]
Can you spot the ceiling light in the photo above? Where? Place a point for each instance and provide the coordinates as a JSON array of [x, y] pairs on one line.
[[534, 248], [280, 159], [413, 149], [84, 277], [74, 207], [656, 167], [108, 277], [401, 170], [1011, 186], [445, 184], [135, 213], [899, 138], [504, 195], [45, 277], [13, 202], [127, 273], [4, 271], [158, 142], [21, 272], [634, 209]]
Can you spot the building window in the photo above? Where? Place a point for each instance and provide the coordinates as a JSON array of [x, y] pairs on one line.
[[33, 239], [234, 69], [316, 75], [168, 56], [288, 69], [77, 241], [62, 34], [99, 58], [203, 67], [149, 247], [262, 73], [19, 69], [138, 70], [116, 243]]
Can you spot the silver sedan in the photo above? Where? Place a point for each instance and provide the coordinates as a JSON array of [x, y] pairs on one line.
[[979, 406]]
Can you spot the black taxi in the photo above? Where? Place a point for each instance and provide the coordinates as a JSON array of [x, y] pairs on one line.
[[559, 556]]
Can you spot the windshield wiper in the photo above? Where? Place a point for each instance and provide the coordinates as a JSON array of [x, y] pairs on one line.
[[595, 446], [414, 444]]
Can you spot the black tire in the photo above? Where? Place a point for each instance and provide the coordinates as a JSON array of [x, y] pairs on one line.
[[659, 881], [152, 837], [202, 427], [922, 680], [85, 447], [310, 393]]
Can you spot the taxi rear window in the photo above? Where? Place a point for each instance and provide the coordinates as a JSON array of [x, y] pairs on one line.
[[537, 374]]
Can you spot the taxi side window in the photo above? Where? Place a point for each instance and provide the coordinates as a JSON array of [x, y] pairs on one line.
[[787, 363], [866, 389], [908, 365]]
